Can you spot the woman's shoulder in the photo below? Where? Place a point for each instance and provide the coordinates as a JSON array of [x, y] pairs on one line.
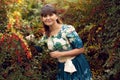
[[68, 28]]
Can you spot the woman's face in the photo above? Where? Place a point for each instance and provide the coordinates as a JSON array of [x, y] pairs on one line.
[[50, 19]]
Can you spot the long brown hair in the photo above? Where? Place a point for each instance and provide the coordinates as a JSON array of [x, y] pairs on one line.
[[47, 10]]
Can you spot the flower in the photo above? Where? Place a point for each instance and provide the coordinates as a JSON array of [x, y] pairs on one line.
[[16, 14], [19, 1]]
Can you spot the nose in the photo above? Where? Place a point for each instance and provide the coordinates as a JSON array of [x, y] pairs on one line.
[[47, 17]]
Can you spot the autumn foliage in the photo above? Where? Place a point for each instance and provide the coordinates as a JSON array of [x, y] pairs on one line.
[[96, 21]]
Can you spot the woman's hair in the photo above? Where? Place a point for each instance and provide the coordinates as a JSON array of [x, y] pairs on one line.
[[48, 9]]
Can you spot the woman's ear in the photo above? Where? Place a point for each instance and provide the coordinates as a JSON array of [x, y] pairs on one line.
[[59, 20]]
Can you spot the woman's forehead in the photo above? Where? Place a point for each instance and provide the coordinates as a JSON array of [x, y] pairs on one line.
[[47, 13]]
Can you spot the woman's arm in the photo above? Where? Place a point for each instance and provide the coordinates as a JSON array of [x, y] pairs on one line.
[[38, 48], [74, 52]]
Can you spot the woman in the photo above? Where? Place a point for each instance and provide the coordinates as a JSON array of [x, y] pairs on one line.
[[65, 45]]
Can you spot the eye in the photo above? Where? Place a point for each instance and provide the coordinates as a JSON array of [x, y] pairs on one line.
[[51, 14], [44, 15]]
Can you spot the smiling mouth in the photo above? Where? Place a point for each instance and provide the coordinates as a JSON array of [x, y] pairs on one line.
[[48, 21]]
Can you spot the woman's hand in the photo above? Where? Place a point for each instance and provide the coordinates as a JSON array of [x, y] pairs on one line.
[[55, 54]]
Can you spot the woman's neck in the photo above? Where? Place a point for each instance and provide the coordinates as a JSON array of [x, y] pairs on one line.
[[54, 27]]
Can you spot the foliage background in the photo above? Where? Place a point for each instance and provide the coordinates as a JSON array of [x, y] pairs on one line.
[[96, 21]]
